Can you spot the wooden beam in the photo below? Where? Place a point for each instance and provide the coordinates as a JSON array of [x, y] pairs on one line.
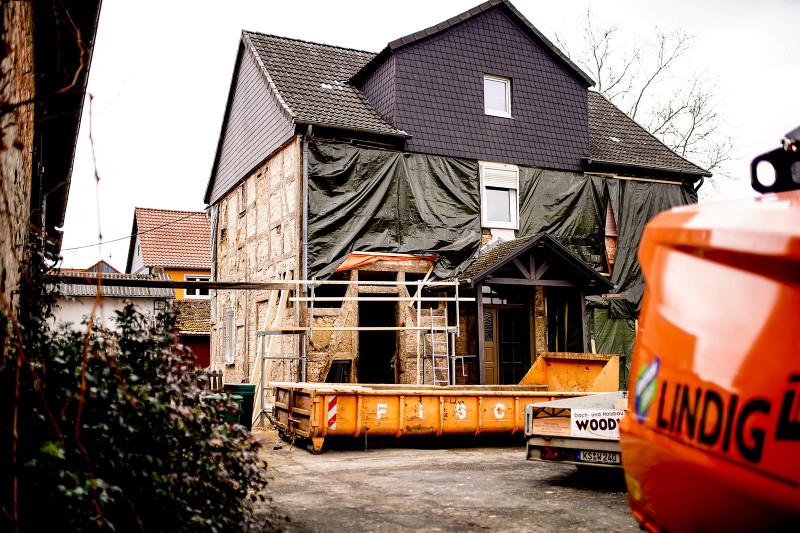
[[541, 269], [521, 268], [168, 283], [481, 333], [531, 282], [583, 322]]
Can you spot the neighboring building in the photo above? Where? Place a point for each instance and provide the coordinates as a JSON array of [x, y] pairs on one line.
[[193, 327], [44, 73], [177, 242], [474, 147], [100, 266], [75, 302]]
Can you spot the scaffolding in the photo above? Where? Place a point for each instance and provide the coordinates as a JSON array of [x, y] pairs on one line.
[[266, 335]]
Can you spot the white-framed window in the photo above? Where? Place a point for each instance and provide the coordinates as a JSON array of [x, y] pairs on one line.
[[499, 195], [196, 293], [229, 336], [497, 96]]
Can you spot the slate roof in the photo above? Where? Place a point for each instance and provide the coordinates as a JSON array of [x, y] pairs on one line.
[[172, 239], [458, 19], [115, 292], [614, 137], [194, 316], [312, 82]]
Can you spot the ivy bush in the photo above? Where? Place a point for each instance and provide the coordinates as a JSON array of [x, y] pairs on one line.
[[107, 430]]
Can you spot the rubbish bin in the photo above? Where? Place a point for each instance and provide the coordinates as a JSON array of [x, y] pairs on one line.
[[248, 393], [230, 417]]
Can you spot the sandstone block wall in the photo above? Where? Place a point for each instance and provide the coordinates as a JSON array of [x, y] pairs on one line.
[[255, 240]]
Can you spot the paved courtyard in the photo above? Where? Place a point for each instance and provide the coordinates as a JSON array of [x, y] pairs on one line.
[[427, 487]]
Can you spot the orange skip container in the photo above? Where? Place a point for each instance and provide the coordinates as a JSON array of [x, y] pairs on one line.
[[711, 439]]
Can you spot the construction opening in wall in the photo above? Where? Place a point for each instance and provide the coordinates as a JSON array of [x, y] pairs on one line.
[[377, 350]]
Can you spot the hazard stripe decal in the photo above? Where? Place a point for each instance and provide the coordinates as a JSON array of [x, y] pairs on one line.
[[331, 412]]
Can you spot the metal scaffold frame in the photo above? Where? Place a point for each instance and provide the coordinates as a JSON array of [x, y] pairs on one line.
[[267, 334]]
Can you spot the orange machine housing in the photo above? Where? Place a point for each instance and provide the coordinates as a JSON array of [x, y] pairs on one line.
[[711, 439]]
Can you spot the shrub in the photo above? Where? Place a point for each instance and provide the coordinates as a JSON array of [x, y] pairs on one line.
[[107, 430]]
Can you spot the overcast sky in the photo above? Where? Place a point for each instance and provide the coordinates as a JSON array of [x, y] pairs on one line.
[[162, 69]]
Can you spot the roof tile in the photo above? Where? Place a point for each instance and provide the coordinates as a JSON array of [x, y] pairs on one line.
[[67, 289], [177, 239], [633, 144], [193, 316], [312, 80]]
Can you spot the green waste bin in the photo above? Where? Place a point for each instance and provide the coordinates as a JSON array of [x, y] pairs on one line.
[[230, 417], [248, 393]]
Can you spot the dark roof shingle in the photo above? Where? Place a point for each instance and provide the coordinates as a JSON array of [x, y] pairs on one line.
[[614, 137], [311, 79]]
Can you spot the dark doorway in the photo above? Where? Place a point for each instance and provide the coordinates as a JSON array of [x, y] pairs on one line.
[[376, 349], [515, 346], [564, 320]]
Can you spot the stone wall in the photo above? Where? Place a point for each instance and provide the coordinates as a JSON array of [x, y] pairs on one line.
[[16, 132], [326, 346], [255, 241]]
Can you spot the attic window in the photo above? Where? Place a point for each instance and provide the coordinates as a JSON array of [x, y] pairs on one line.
[[497, 96]]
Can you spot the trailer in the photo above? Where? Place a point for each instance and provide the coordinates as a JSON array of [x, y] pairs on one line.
[[317, 411], [583, 431]]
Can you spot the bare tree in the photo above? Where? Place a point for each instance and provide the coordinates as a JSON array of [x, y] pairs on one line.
[[642, 78]]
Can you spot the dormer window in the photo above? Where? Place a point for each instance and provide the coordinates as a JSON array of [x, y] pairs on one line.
[[497, 96]]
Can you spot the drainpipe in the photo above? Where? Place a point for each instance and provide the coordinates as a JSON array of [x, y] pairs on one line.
[[306, 137]]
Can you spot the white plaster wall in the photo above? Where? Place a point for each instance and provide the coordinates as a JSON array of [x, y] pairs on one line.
[[137, 264], [75, 311]]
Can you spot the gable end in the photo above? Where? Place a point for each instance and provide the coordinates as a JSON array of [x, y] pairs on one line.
[[257, 122]]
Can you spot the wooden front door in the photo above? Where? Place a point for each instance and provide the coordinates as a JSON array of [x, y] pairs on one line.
[[490, 343], [514, 345]]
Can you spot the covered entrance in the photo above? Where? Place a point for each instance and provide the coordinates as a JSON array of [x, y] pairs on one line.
[[532, 300]]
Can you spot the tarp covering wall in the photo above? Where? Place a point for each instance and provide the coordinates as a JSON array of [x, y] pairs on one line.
[[635, 204], [570, 207], [612, 335], [373, 200]]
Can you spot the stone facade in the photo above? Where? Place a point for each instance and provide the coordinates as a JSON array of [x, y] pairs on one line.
[[327, 347], [16, 131], [255, 241]]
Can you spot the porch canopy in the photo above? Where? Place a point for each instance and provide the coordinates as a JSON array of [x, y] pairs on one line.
[[537, 260], [503, 278]]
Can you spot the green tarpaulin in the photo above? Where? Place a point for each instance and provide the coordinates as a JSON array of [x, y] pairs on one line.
[[373, 200], [570, 207]]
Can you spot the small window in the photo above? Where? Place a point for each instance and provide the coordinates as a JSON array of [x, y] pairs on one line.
[[196, 293], [499, 186], [138, 249], [228, 340], [497, 96], [242, 197]]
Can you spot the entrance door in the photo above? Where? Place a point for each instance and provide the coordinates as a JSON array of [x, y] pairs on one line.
[[514, 348], [490, 347], [376, 349]]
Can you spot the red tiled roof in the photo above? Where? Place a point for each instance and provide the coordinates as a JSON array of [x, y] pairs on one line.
[[178, 239]]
